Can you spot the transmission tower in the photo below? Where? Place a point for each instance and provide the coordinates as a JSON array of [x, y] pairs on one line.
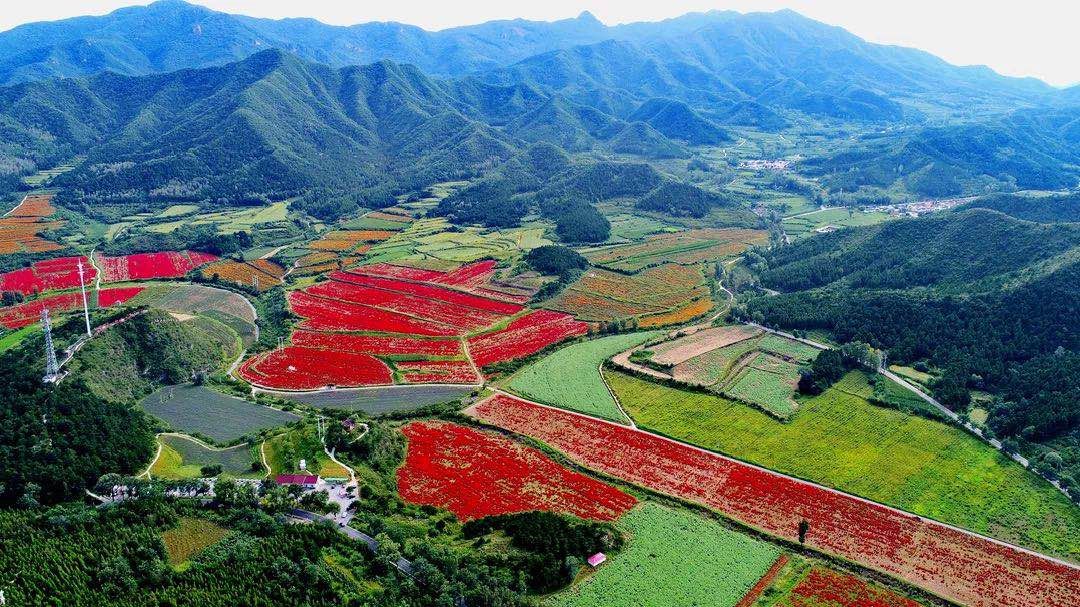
[[85, 308], [52, 368]]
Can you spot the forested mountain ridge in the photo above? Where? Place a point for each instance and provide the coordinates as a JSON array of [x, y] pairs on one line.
[[268, 126], [1036, 148], [989, 300], [780, 59], [958, 252]]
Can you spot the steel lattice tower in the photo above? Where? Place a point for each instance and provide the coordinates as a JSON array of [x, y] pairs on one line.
[[52, 368]]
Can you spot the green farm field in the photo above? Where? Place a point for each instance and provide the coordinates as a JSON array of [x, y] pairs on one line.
[[841, 440], [198, 409], [190, 537], [570, 377], [804, 225], [182, 457], [768, 383], [674, 557]]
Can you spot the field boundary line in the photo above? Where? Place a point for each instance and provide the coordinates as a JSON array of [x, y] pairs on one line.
[[1029, 551], [614, 397], [160, 448]]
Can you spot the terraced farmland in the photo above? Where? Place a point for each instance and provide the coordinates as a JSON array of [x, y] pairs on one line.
[[197, 409], [674, 557]]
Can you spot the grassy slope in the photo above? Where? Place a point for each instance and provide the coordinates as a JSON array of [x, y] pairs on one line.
[[184, 458], [570, 377], [841, 440], [674, 558]]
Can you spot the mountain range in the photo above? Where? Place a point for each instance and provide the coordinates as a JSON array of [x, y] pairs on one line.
[[173, 101]]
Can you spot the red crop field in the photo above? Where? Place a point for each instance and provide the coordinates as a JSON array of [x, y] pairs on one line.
[[334, 315], [49, 275], [963, 567], [147, 266], [402, 272], [23, 314], [452, 315], [470, 275], [476, 474], [437, 372], [300, 368], [525, 336], [116, 295], [429, 291], [828, 588], [412, 314], [382, 345], [28, 313]]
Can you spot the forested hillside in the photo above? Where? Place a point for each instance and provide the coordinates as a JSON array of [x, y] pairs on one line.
[[988, 299]]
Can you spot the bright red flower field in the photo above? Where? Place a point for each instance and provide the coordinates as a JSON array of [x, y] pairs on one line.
[[966, 568], [476, 474]]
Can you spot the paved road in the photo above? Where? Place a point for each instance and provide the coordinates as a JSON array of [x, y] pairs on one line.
[[403, 564]]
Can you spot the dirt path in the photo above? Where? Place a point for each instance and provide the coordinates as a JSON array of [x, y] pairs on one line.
[[160, 448], [472, 363]]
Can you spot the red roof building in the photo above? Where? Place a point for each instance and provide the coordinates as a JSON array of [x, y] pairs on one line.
[[307, 481]]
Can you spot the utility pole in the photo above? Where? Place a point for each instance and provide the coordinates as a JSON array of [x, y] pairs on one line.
[[52, 368], [85, 307]]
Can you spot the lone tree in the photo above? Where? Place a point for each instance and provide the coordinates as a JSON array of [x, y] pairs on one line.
[[804, 526]]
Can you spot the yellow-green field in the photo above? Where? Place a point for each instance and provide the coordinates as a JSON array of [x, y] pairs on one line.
[[841, 440]]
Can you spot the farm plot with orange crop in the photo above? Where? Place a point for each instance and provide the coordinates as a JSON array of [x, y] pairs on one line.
[[21, 228], [601, 295], [260, 274], [963, 567]]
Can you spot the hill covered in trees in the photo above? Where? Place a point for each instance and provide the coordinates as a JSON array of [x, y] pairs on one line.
[[989, 300]]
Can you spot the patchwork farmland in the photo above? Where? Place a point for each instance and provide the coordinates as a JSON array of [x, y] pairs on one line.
[[957, 565], [842, 440], [660, 295], [690, 247], [381, 324], [740, 362]]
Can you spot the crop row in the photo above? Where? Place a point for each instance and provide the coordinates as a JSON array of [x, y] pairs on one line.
[[27, 313], [961, 566], [430, 291], [451, 315], [261, 274], [322, 314], [524, 336], [379, 345], [301, 368], [146, 266], [49, 275], [827, 587], [475, 474], [437, 372]]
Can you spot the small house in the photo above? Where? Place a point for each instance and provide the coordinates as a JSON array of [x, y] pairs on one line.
[[307, 481], [348, 424], [597, 559]]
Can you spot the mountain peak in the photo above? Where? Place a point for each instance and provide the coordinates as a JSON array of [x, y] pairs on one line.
[[588, 17]]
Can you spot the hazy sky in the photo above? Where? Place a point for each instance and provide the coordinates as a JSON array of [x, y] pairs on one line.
[[1038, 38]]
